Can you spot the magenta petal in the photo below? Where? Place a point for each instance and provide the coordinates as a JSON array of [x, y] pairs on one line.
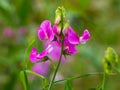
[[43, 54], [55, 29], [55, 53], [85, 36], [41, 68], [71, 48], [45, 24], [73, 38], [41, 34], [45, 31], [34, 55]]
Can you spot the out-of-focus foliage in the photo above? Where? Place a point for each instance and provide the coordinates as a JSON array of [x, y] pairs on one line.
[[19, 20]]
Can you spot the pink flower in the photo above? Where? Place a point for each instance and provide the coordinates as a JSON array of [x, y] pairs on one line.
[[55, 53], [41, 68], [21, 31], [73, 38], [85, 36], [8, 32], [69, 48], [51, 38], [35, 56], [51, 52], [45, 31], [53, 44]]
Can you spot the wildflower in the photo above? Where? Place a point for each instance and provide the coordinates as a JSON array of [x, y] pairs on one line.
[[8, 32], [85, 36], [21, 31], [45, 31], [52, 52], [55, 53], [73, 38], [69, 48], [35, 56], [54, 37]]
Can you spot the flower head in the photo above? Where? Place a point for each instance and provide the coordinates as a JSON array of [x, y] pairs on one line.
[[59, 40]]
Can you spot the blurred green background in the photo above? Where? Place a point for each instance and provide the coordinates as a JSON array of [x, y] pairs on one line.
[[19, 20]]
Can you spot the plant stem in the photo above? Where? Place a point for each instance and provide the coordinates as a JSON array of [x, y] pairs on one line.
[[26, 81], [80, 76], [35, 74], [102, 85], [57, 67], [103, 82]]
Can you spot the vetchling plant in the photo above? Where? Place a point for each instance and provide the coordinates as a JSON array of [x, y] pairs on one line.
[[60, 41]]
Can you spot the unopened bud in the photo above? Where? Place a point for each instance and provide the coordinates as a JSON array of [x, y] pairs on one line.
[[61, 21], [110, 60]]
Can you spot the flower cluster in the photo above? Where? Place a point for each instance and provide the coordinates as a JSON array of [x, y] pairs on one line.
[[61, 34], [52, 42]]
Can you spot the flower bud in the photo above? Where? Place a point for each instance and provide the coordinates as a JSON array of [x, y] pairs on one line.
[[59, 15], [110, 60], [61, 21], [111, 55]]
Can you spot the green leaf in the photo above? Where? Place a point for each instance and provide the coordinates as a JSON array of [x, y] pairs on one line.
[[35, 74], [68, 85], [77, 77], [24, 80]]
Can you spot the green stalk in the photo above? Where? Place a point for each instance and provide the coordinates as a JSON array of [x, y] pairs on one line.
[[58, 65], [26, 81], [102, 85], [52, 81], [76, 77], [35, 74], [103, 82], [40, 76]]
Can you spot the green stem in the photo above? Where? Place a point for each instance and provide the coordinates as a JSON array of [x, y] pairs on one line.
[[58, 65], [40, 76], [35, 74], [102, 85], [103, 82], [52, 81], [76, 77], [26, 81]]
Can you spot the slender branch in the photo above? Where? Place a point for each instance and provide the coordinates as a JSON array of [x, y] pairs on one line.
[[35, 74], [80, 76], [103, 82], [52, 81], [38, 75], [58, 65], [26, 81]]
